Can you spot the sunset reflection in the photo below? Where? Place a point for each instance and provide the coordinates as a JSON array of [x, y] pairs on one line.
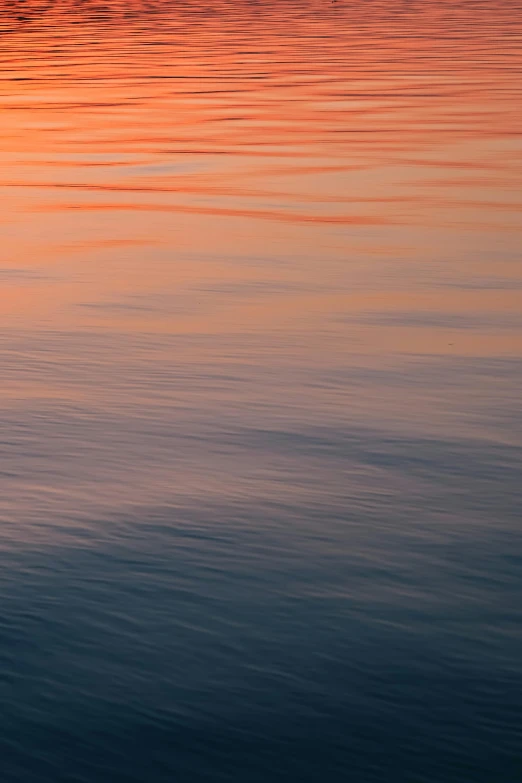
[[261, 342], [168, 135]]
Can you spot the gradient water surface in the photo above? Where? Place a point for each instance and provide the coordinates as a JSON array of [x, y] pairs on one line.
[[261, 361]]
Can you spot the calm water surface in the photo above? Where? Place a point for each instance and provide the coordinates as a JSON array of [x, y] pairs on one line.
[[261, 361]]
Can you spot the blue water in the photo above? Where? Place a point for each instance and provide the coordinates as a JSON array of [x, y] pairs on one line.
[[260, 459]]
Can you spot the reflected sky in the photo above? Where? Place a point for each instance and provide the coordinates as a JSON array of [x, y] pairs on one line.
[[366, 146], [184, 200], [261, 353]]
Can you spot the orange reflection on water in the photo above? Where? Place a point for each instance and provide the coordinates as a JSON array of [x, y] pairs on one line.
[[326, 168]]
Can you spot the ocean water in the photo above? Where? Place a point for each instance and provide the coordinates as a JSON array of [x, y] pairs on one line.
[[260, 399]]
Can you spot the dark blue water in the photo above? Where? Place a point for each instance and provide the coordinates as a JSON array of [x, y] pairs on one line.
[[260, 351]]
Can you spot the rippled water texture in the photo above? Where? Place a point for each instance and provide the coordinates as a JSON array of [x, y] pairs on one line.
[[261, 361]]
